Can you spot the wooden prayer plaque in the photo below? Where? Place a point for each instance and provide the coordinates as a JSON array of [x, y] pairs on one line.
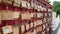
[[10, 15], [44, 27], [26, 15], [27, 26], [28, 5], [7, 29], [17, 3], [24, 4], [22, 28], [7, 1], [15, 29], [31, 24]]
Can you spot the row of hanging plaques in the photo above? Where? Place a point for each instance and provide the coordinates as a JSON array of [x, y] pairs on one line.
[[25, 4], [12, 15], [25, 28]]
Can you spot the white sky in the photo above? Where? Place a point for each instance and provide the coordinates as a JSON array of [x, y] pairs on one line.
[[53, 0]]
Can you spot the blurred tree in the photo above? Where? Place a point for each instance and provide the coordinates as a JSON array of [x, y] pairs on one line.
[[56, 8]]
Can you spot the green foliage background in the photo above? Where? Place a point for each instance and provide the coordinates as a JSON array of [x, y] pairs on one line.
[[56, 5]]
